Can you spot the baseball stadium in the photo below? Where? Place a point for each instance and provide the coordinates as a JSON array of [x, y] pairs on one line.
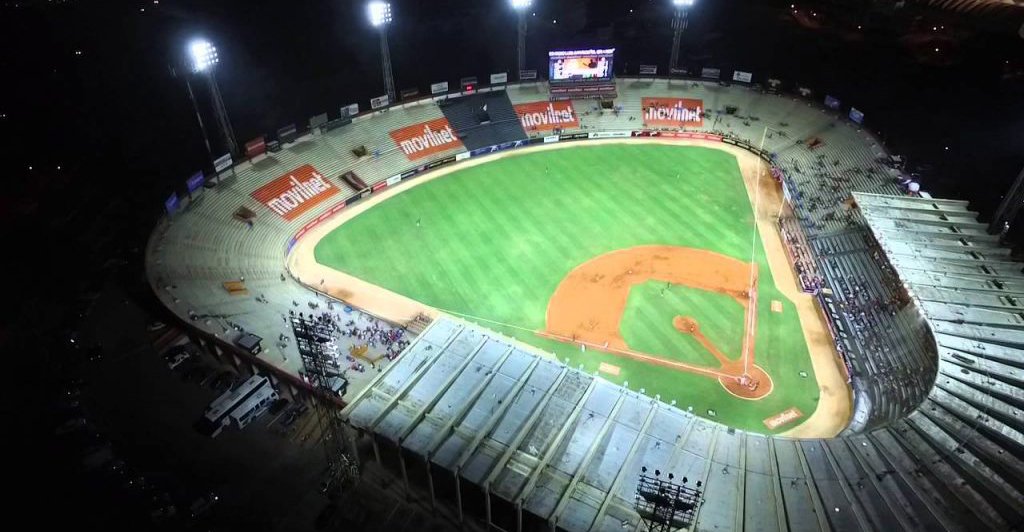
[[717, 275]]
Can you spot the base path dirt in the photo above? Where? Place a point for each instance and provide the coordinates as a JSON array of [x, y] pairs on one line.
[[588, 305], [834, 401]]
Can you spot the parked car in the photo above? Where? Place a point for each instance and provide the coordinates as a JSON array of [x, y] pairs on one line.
[[178, 359]]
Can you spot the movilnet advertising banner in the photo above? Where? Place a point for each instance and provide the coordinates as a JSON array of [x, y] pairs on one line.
[[673, 112], [295, 192], [711, 73], [856, 115], [742, 77], [547, 116], [831, 103], [378, 102], [195, 182], [440, 87], [501, 77], [254, 147], [171, 203], [426, 138]]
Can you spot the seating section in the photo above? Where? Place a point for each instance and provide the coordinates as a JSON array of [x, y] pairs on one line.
[[484, 119], [938, 429]]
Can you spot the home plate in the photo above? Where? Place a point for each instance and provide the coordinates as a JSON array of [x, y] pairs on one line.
[[608, 368], [776, 305]]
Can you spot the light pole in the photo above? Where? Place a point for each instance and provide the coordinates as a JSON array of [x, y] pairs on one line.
[[521, 6], [380, 18], [679, 23], [204, 58]]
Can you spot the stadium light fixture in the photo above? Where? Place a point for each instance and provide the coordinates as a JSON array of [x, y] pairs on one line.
[[204, 55], [380, 13], [683, 3], [521, 4]]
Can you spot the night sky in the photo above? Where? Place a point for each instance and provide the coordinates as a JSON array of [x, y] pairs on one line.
[[97, 128]]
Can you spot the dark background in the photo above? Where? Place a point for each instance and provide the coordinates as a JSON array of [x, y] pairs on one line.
[[94, 141]]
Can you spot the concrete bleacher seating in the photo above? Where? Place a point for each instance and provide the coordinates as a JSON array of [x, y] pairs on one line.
[[937, 431]]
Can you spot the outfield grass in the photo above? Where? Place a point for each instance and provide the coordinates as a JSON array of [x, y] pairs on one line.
[[493, 241]]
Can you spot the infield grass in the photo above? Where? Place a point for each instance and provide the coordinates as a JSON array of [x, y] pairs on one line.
[[492, 242]]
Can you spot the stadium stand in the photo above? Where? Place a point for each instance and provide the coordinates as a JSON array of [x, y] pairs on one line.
[[928, 302], [485, 119]]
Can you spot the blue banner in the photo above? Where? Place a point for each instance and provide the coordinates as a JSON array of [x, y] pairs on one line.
[[856, 115], [831, 103], [171, 203], [195, 182]]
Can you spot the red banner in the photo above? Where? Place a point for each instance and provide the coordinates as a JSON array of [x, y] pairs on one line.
[[673, 112], [295, 192], [255, 147], [547, 116], [426, 138]]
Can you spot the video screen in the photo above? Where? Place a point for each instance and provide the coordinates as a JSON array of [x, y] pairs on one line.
[[580, 65]]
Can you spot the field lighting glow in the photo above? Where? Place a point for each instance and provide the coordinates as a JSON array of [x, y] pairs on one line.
[[380, 13], [683, 3], [204, 55], [521, 4]]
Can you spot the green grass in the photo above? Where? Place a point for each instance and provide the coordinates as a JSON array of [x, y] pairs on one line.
[[494, 240]]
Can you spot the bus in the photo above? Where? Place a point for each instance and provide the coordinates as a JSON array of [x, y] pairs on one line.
[[216, 416], [254, 406]]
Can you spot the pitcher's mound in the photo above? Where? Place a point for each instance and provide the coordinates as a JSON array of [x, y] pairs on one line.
[[686, 324]]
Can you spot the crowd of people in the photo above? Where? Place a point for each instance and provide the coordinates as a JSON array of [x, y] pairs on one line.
[[390, 340], [810, 280]]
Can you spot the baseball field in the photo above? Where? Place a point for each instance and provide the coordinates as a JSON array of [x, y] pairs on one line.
[[629, 260]]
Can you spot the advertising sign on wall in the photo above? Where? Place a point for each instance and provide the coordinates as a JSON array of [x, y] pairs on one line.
[[318, 120], [831, 103], [171, 203], [426, 138], [223, 162], [501, 77], [351, 109], [379, 102], [547, 116], [295, 192], [440, 87], [856, 115], [743, 77], [648, 70], [711, 73], [527, 75], [550, 138], [673, 112], [254, 147], [287, 134], [195, 182]]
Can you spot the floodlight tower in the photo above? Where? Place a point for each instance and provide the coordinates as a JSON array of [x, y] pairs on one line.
[[521, 6], [679, 23], [380, 18], [204, 58]]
